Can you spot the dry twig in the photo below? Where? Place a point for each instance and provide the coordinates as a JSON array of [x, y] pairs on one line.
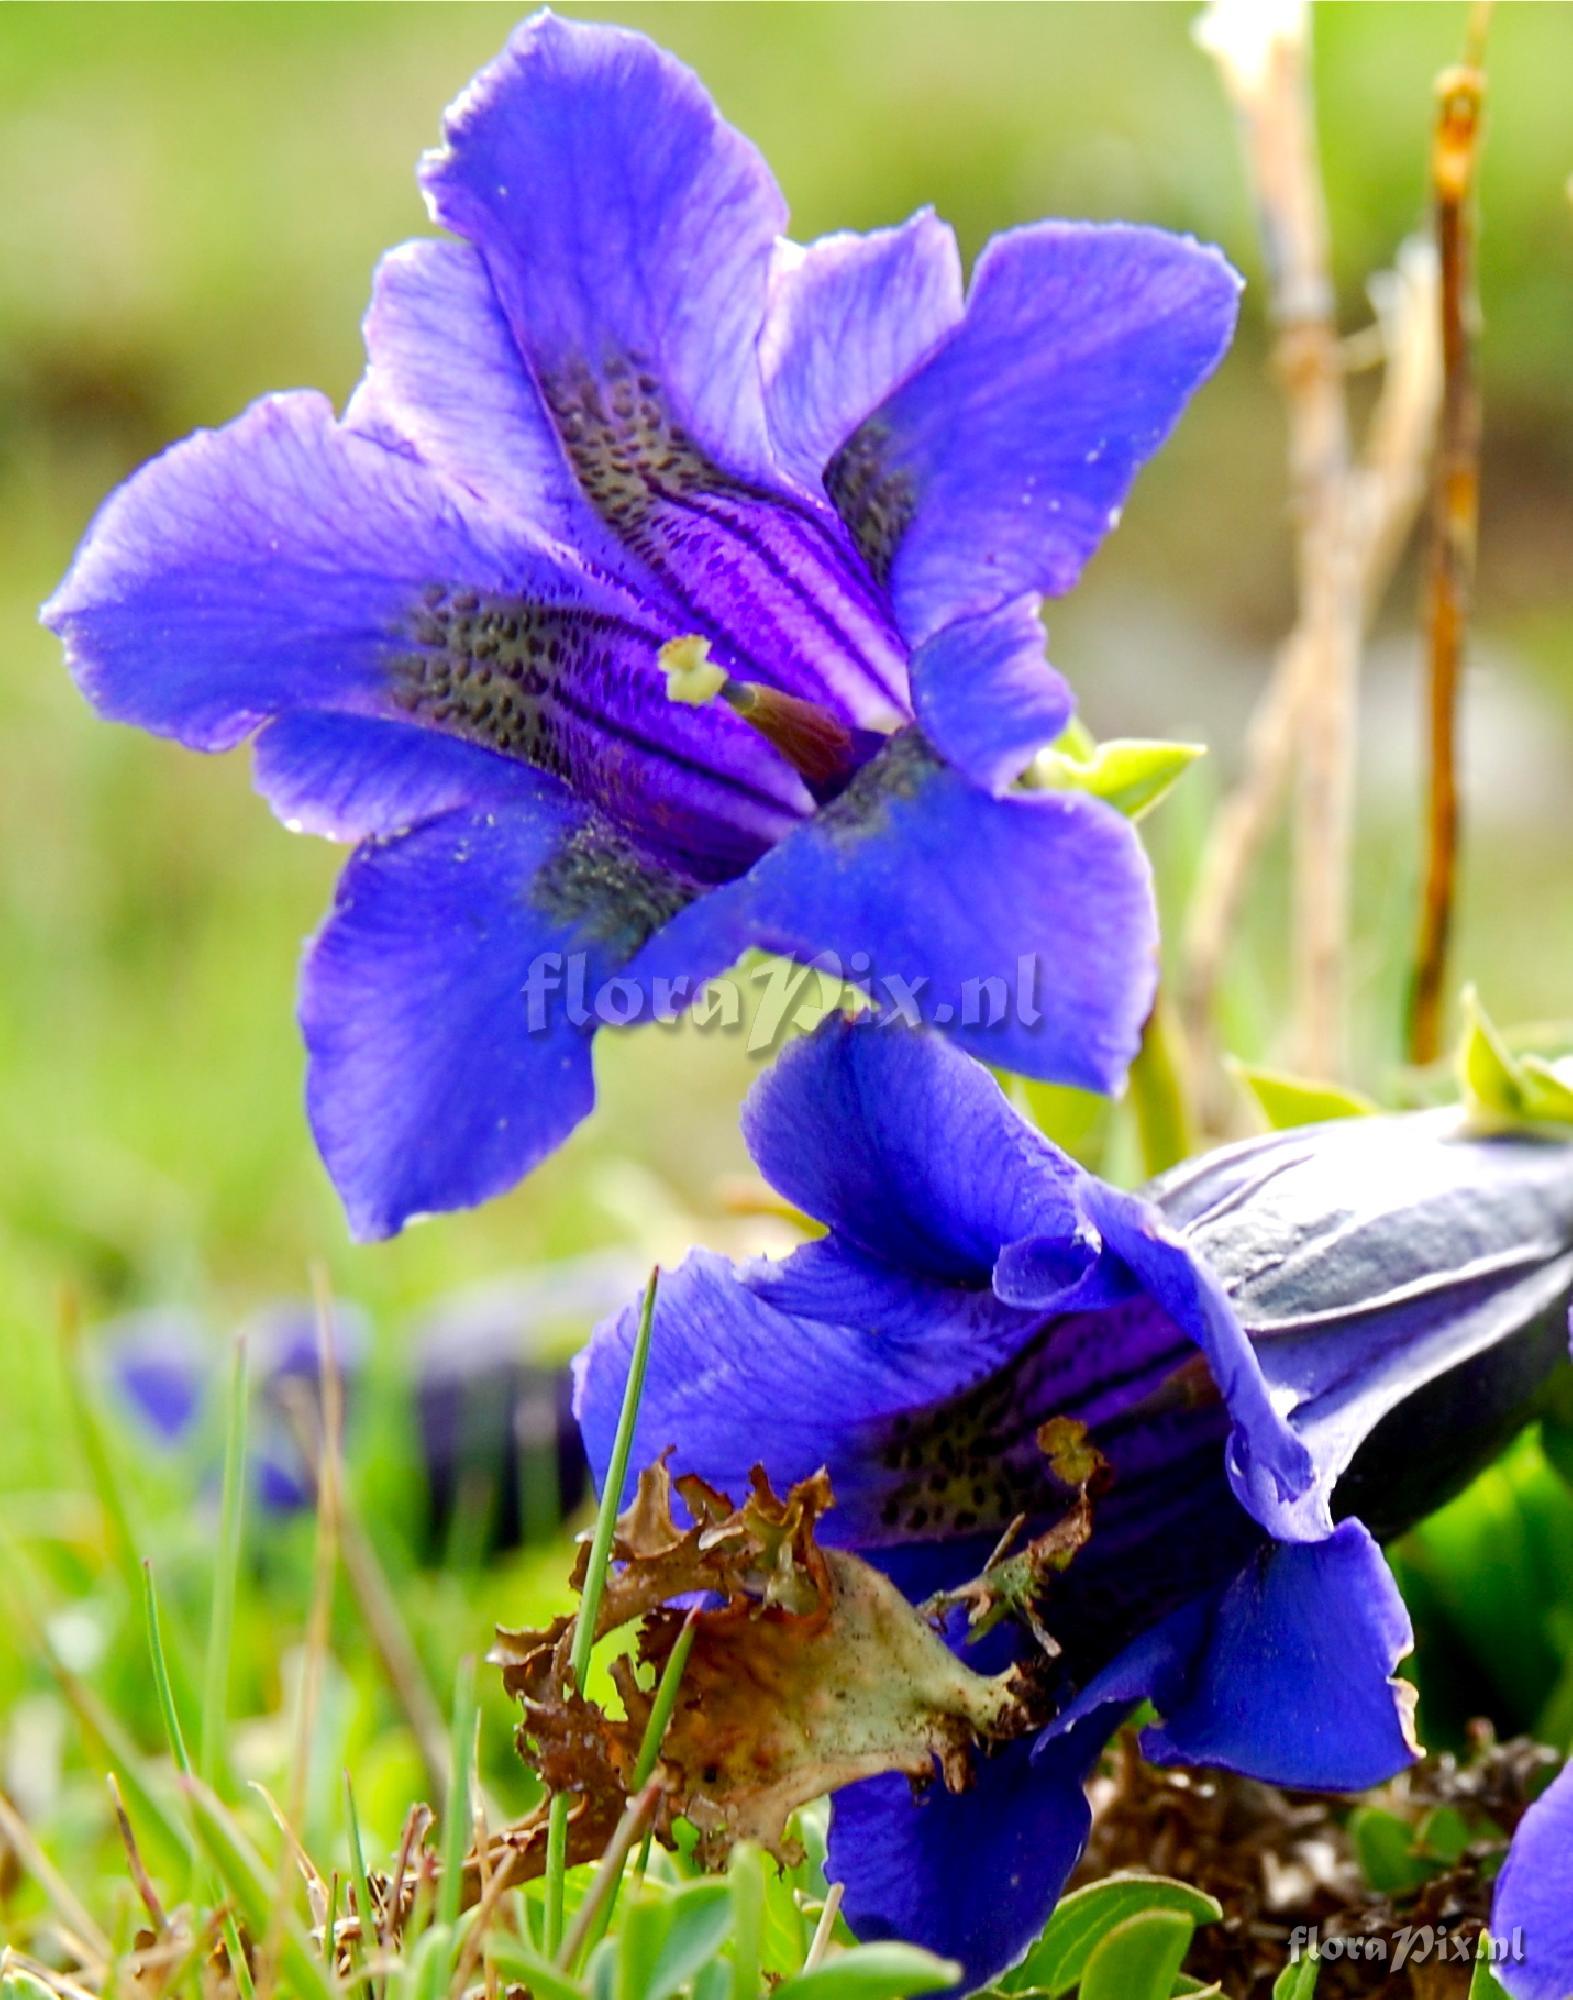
[[1455, 507], [1351, 520]]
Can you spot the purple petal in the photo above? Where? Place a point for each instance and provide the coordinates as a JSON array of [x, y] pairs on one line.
[[628, 234], [986, 697], [1386, 1265], [1269, 1467], [728, 1374], [1023, 926], [619, 217], [970, 1875], [347, 776], [850, 317], [439, 1002], [1532, 1910], [908, 1150], [1000, 466], [264, 567], [1295, 1683], [159, 1365], [445, 374]]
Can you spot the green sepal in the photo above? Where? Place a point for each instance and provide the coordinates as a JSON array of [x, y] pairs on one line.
[[1286, 1101], [1500, 1089], [1129, 773]]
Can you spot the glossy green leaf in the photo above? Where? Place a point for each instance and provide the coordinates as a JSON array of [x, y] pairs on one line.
[[872, 1972], [517, 1958], [667, 1938], [1484, 1984], [1286, 1101], [1129, 773], [1084, 1918], [1140, 1958], [1298, 1980], [1385, 1848], [1502, 1089]]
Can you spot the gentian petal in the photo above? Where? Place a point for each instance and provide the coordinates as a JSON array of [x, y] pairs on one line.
[[264, 567], [1294, 1684], [986, 697], [347, 776], [849, 319], [1269, 1466], [290, 563], [160, 1363], [449, 1051], [1001, 464], [907, 1149], [970, 1875], [733, 1381], [1024, 926], [619, 217], [444, 374], [1390, 1264], [1533, 1903]]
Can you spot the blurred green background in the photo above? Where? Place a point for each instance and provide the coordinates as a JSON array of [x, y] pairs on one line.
[[191, 202]]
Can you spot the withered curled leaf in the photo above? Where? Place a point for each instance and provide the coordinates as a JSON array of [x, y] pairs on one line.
[[808, 1671]]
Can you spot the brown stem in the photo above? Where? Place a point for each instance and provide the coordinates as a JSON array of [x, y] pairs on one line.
[[1455, 507]]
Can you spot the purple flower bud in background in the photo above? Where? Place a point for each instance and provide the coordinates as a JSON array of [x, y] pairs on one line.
[[494, 1401]]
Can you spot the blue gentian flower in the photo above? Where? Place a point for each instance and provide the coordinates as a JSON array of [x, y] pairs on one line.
[[1332, 1316], [1533, 1904], [165, 1367], [622, 437]]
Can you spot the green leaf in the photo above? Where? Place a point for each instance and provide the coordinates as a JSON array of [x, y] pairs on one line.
[[1139, 1959], [1485, 1985], [1385, 1847], [1298, 1980], [1444, 1835], [745, 1883], [1556, 1427], [518, 1958], [1128, 773], [1286, 1101], [666, 1939], [1084, 1918], [872, 1972]]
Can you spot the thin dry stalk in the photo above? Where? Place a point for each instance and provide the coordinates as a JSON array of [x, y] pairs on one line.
[[1350, 522], [1386, 494], [637, 1815], [134, 1861], [1455, 512]]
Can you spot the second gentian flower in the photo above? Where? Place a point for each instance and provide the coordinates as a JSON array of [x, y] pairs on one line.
[[1282, 1352]]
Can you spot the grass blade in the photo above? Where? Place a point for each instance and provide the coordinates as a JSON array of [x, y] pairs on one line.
[[590, 1602], [456, 1824]]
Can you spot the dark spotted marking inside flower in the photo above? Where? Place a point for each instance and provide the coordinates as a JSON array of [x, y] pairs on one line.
[[957, 1471], [494, 669], [602, 887], [974, 1463], [627, 450], [874, 498]]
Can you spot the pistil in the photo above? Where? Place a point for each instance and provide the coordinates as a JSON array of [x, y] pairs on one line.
[[813, 741]]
